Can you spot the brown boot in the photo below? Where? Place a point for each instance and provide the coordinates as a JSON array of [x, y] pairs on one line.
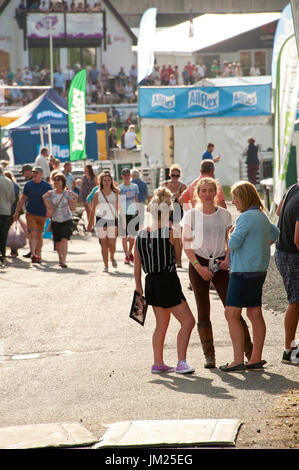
[[206, 337], [248, 344]]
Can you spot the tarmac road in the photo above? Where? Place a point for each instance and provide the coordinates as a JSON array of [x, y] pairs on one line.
[[71, 352]]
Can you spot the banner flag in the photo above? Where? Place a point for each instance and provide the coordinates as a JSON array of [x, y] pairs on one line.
[[76, 116], [295, 12], [284, 30], [145, 57], [285, 107]]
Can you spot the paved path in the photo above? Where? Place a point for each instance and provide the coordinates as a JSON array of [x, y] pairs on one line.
[[71, 353]]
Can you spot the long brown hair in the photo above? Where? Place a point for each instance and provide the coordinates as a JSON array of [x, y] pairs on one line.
[[247, 194], [100, 180], [90, 170]]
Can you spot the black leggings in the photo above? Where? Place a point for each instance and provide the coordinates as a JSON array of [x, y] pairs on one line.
[[201, 289]]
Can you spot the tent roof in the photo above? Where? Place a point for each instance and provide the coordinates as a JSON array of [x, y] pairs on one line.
[[49, 108], [208, 29], [50, 95], [234, 81]]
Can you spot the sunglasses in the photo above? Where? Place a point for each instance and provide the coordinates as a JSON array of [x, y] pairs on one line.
[[175, 175]]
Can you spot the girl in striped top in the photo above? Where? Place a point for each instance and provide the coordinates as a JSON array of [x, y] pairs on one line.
[[156, 248]]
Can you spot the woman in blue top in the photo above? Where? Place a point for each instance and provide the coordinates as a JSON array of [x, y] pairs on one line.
[[249, 245]]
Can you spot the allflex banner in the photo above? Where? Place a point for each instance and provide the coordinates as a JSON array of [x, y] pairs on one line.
[[190, 102]]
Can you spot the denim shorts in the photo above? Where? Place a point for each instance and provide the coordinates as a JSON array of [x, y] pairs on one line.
[[245, 291], [288, 267]]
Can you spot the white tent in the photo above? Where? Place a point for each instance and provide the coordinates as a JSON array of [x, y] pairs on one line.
[[208, 29], [191, 136], [235, 81]]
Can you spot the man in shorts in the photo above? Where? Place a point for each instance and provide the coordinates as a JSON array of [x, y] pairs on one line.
[[129, 201], [36, 211], [287, 262]]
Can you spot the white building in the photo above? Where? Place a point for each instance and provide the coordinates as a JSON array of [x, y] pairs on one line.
[[86, 38]]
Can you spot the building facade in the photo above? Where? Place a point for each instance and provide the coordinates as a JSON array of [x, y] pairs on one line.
[[94, 36]]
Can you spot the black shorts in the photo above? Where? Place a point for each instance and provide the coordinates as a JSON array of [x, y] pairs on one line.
[[131, 226], [163, 290], [62, 230]]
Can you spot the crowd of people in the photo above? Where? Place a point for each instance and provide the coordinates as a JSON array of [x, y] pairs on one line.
[[101, 87], [231, 258], [104, 88], [47, 6], [171, 75]]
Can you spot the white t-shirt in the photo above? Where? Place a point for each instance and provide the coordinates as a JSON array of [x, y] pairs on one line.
[[106, 210], [44, 164], [130, 140], [208, 231]]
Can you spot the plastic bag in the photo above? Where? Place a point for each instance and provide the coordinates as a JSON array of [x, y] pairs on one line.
[[16, 237]]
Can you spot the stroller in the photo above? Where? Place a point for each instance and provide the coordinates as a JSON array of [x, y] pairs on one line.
[[78, 223]]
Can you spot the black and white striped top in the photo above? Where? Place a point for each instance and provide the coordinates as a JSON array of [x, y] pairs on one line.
[[155, 251]]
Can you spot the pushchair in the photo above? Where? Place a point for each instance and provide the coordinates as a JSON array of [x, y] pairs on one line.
[[78, 223]]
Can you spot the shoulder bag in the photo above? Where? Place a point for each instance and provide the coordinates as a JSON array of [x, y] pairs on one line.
[[49, 228]]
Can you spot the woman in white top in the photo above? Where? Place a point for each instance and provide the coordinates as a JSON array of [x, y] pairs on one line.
[[104, 207], [205, 234], [131, 138], [60, 203]]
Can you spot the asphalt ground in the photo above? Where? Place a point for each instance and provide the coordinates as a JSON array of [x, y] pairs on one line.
[[71, 353]]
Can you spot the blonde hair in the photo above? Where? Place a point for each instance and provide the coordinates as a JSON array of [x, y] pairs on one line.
[[161, 202], [247, 194], [203, 181], [175, 166]]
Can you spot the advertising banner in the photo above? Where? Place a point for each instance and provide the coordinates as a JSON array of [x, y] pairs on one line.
[[84, 25], [26, 142], [285, 108], [76, 116], [39, 25], [190, 102], [284, 29]]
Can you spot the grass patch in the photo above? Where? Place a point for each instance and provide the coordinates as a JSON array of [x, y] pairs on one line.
[[227, 194]]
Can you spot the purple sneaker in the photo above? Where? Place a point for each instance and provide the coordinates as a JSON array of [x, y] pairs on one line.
[[161, 369], [183, 368]]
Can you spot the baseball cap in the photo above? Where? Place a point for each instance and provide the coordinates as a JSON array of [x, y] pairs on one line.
[[37, 169], [126, 171], [26, 167]]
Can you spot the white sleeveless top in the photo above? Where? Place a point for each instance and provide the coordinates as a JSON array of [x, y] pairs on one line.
[[106, 210]]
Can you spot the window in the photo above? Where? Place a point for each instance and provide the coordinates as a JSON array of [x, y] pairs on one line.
[[40, 56], [250, 58], [84, 56]]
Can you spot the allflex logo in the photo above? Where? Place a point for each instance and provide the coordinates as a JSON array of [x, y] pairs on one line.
[[203, 99], [166, 102], [246, 99]]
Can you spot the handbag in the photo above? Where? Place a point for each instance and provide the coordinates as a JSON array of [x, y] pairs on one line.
[[49, 228], [16, 237], [110, 207]]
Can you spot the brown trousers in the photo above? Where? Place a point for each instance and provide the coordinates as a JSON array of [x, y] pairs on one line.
[[201, 289]]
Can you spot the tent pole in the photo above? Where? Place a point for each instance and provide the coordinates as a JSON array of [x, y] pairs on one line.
[[51, 53]]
